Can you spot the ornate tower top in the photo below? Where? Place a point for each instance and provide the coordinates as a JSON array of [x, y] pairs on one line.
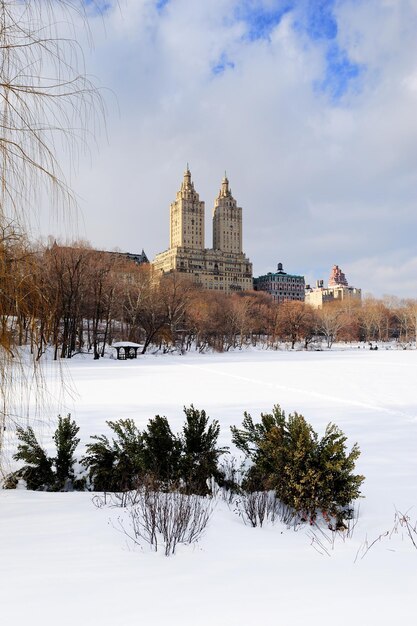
[[187, 190], [337, 277], [225, 192], [187, 184]]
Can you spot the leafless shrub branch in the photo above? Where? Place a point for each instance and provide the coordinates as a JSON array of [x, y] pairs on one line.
[[324, 537], [259, 507], [159, 518], [403, 527]]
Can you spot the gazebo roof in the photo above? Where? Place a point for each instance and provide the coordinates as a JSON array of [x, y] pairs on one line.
[[126, 344]]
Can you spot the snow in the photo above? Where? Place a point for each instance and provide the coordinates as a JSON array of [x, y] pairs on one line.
[[63, 561]]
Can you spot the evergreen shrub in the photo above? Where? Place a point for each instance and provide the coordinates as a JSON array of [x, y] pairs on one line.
[[43, 473], [115, 465], [307, 473], [162, 453], [156, 456], [200, 454]]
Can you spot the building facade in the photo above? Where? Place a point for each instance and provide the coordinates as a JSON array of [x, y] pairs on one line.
[[281, 286], [337, 290], [224, 267]]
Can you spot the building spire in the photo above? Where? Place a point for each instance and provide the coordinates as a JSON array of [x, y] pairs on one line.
[[225, 191], [186, 183]]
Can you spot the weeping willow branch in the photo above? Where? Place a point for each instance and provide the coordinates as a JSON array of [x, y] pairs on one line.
[[47, 102], [48, 107]]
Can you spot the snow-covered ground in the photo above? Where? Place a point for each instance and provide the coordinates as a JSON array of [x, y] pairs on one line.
[[62, 562]]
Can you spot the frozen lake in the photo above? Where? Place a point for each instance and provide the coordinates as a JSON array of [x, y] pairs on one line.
[[62, 562]]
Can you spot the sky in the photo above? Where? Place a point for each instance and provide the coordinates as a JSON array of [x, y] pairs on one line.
[[309, 105]]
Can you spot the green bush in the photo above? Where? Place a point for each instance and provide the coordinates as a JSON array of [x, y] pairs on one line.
[[42, 472], [37, 472], [308, 474], [161, 453], [115, 465], [200, 454], [156, 456], [66, 442]]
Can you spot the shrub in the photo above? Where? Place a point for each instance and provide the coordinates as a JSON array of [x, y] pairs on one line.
[[66, 443], [37, 472], [42, 472], [308, 474], [156, 456], [160, 519], [169, 518], [161, 453], [116, 465], [200, 451]]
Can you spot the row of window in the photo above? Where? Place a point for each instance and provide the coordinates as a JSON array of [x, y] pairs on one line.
[[287, 296], [280, 279], [284, 286]]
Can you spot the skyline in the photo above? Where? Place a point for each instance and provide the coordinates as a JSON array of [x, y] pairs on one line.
[[309, 106]]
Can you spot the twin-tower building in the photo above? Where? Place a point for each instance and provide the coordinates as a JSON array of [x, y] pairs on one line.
[[224, 267]]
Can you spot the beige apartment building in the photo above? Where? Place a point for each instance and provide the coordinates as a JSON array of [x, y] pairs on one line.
[[224, 267], [338, 289]]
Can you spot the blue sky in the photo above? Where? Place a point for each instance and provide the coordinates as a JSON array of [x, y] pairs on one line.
[[261, 19], [308, 104], [316, 20]]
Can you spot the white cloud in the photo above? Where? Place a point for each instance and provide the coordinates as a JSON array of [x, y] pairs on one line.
[[320, 182]]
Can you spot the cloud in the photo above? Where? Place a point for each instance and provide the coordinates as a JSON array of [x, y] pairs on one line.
[[97, 7], [310, 106], [340, 71], [160, 4], [396, 274], [319, 19], [222, 64], [261, 18]]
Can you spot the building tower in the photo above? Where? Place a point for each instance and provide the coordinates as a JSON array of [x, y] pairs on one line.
[[187, 217], [224, 267], [227, 221], [337, 277]]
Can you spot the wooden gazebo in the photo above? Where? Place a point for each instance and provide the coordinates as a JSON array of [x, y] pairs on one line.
[[126, 350]]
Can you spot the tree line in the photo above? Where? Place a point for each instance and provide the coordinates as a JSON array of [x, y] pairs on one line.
[[74, 298]]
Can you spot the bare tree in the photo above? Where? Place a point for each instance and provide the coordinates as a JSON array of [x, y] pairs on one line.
[[411, 313], [295, 321], [143, 311], [176, 292], [374, 319], [331, 320]]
